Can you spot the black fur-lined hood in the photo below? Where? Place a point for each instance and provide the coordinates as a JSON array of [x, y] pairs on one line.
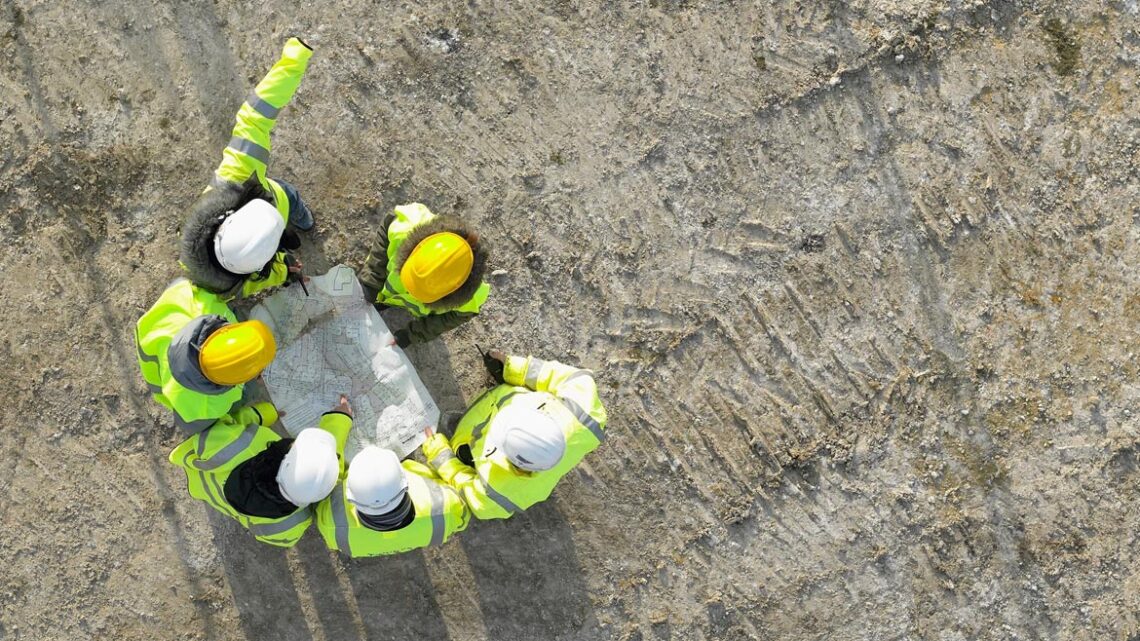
[[479, 248], [207, 214]]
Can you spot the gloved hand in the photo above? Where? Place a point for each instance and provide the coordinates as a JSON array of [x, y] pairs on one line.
[[434, 446], [402, 338], [267, 412], [290, 241], [342, 406], [494, 365]]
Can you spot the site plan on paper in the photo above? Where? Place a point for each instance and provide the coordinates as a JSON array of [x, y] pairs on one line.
[[333, 342]]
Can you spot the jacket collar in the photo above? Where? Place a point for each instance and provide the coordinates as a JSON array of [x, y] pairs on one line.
[[394, 519]]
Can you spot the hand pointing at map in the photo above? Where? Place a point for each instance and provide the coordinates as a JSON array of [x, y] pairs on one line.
[[343, 405]]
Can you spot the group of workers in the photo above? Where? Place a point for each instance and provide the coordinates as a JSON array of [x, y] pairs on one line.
[[507, 452]]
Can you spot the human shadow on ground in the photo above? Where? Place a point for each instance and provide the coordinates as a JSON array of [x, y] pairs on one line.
[[262, 585], [395, 597], [528, 580]]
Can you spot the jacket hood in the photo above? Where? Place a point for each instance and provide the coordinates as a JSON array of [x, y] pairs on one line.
[[206, 216], [182, 355]]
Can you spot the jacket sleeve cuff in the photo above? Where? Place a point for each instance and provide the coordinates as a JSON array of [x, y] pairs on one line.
[[434, 446], [338, 424], [514, 370], [296, 49], [266, 413]]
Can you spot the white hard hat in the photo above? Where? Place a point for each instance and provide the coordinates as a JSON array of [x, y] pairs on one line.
[[530, 438], [310, 469], [249, 237], [376, 483]]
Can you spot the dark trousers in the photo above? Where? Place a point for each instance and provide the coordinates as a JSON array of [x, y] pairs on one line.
[[299, 214]]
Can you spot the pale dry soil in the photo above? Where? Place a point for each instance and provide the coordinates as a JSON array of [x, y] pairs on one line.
[[854, 277]]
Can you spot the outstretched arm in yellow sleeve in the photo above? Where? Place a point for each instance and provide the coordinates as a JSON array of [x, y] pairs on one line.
[[462, 478], [248, 150]]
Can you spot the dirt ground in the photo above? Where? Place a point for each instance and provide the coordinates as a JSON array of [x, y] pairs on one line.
[[853, 276]]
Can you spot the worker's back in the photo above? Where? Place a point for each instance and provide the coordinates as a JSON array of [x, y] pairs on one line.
[[439, 514], [179, 306]]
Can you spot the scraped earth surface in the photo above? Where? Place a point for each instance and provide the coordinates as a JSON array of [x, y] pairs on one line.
[[857, 280]]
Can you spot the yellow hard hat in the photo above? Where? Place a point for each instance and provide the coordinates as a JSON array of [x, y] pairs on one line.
[[237, 352], [439, 265]]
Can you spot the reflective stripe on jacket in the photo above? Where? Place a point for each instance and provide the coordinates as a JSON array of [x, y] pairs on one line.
[[209, 457], [247, 153], [439, 514], [408, 217], [493, 488], [179, 305]]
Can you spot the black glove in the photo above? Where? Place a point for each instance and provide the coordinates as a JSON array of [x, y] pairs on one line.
[[402, 338], [494, 367], [289, 240]]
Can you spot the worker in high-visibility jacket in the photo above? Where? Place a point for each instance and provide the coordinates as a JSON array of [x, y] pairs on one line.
[[196, 357], [244, 470], [519, 439], [385, 507], [431, 266], [235, 241]]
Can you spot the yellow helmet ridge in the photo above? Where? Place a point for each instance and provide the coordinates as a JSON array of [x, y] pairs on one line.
[[237, 352], [437, 266]]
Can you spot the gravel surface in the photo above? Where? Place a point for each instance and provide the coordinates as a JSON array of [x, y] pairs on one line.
[[853, 277]]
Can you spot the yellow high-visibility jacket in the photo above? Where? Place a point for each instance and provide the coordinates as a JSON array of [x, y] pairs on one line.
[[167, 338], [492, 487], [439, 514], [211, 456], [242, 172]]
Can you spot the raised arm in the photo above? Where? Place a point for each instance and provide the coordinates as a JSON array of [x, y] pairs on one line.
[[248, 150]]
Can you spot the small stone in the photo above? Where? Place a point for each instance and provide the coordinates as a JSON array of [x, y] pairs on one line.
[[499, 272]]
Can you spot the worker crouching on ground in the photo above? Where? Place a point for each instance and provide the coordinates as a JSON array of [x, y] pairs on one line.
[[246, 471], [196, 357], [431, 266], [385, 507], [235, 242], [515, 443]]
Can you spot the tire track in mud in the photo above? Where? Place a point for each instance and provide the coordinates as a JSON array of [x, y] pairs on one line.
[[816, 386], [24, 53], [748, 303]]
